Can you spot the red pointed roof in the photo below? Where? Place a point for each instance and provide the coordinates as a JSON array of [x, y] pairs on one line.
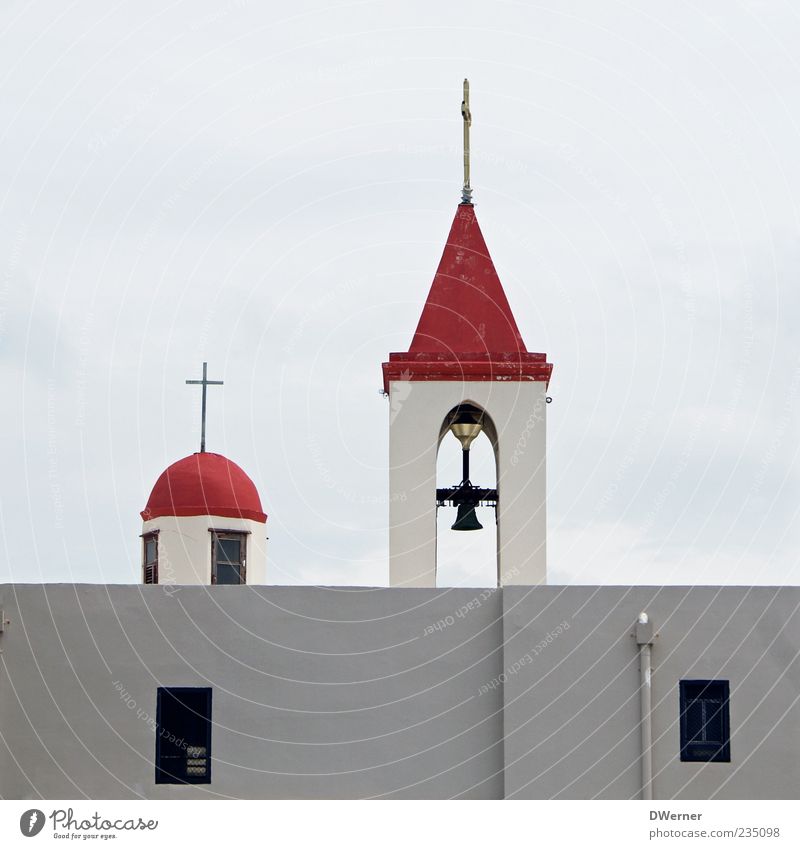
[[204, 484], [467, 309], [467, 330]]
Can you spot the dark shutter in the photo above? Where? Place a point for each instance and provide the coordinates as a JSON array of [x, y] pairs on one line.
[[705, 721], [150, 558], [183, 735]]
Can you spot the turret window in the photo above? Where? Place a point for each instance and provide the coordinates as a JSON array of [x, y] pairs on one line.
[[228, 557], [150, 558]]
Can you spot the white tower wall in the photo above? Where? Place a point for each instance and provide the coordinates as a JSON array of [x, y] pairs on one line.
[[417, 411]]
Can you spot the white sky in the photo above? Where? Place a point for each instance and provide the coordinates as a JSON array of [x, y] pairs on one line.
[[271, 192]]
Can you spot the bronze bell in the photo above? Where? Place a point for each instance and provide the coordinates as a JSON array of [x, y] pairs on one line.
[[466, 520]]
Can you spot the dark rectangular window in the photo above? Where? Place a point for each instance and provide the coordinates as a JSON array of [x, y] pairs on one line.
[[183, 735], [705, 721], [150, 558], [228, 557]]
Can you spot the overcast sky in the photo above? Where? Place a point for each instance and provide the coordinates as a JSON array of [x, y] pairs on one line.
[[270, 191]]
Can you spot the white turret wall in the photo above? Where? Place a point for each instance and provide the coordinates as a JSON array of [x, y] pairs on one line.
[[184, 547], [417, 411]]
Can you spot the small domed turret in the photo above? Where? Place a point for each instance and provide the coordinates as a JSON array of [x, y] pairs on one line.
[[204, 524]]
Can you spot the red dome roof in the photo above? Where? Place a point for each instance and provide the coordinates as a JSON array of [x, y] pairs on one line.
[[204, 485]]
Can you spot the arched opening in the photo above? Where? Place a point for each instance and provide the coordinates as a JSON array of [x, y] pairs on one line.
[[466, 558]]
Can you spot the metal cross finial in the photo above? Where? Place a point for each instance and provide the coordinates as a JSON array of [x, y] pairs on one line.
[[204, 383], [466, 192]]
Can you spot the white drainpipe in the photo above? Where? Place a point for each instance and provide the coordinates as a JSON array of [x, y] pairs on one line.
[[644, 639]]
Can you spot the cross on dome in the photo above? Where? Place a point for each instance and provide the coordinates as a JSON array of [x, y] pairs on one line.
[[204, 383]]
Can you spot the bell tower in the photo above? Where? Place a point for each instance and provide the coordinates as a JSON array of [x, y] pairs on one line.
[[467, 370]]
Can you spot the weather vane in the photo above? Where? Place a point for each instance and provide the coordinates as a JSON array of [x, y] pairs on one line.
[[466, 192], [204, 383]]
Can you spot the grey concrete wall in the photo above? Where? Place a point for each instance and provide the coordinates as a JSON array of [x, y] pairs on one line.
[[528, 692], [572, 714], [316, 692]]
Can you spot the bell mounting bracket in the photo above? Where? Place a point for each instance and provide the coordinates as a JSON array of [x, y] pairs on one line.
[[466, 493]]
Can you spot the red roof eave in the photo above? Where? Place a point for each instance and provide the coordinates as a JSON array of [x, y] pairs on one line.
[[202, 510], [512, 368]]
